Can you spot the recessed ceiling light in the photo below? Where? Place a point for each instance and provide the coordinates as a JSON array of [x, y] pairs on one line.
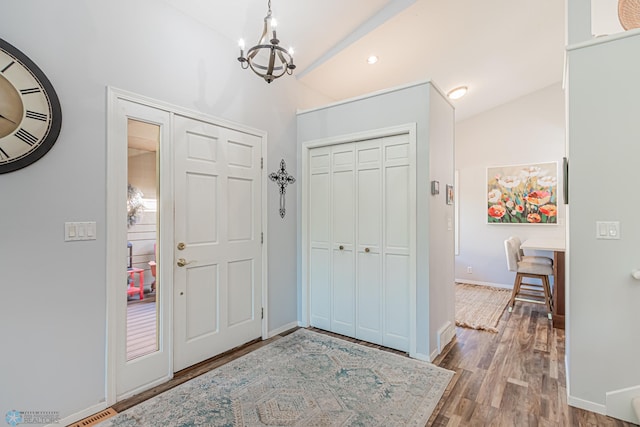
[[457, 93], [372, 60]]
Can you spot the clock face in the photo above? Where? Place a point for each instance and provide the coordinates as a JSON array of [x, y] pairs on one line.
[[30, 114]]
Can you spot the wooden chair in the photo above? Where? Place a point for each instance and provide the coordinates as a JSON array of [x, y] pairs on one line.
[[132, 289], [152, 267], [524, 291]]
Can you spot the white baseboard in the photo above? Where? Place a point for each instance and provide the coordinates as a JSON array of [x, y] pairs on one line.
[[587, 405], [619, 404], [423, 357], [445, 336], [476, 282], [282, 329], [80, 415]]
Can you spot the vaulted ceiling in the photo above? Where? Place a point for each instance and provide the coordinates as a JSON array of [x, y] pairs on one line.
[[500, 49]]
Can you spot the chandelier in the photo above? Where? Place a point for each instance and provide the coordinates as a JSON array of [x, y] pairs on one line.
[[267, 59]]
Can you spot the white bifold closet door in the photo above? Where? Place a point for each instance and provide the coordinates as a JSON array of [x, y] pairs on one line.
[[359, 252]]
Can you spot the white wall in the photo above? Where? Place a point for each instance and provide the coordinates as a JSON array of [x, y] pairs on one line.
[[604, 148], [392, 108], [441, 216], [53, 316], [530, 129]]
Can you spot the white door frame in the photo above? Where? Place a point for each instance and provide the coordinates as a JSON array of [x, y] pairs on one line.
[[410, 130], [116, 228]]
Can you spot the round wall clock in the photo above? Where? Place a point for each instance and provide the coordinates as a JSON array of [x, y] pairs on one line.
[[30, 114]]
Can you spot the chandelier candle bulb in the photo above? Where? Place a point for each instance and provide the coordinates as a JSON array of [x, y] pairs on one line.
[[274, 24]]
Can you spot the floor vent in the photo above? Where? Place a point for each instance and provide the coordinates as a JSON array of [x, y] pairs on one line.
[[95, 418]]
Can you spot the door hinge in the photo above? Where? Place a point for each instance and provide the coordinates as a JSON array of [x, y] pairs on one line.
[[261, 162], [262, 313], [261, 237]]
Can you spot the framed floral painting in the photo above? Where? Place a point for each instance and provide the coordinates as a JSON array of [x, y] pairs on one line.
[[524, 194]]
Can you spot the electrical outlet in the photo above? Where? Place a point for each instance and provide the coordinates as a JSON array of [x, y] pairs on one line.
[[470, 270]]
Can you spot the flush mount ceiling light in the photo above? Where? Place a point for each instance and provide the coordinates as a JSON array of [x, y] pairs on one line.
[[372, 60], [267, 59], [457, 93]]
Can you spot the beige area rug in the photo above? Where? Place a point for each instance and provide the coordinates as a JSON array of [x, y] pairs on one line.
[[480, 307]]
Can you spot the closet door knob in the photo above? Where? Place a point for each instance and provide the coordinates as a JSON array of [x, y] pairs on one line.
[[367, 250], [341, 247]]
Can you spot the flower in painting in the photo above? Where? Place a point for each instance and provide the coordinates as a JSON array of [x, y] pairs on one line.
[[531, 171], [534, 217], [520, 208], [497, 211], [547, 181], [509, 181], [510, 204], [549, 210], [494, 195], [538, 197]]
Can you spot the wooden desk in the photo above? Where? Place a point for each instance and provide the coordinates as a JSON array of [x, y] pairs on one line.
[[557, 246]]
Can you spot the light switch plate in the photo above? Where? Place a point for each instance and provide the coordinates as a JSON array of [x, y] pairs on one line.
[[74, 231], [608, 230]]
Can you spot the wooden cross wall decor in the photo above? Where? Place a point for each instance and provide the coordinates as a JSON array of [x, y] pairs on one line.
[[282, 178]]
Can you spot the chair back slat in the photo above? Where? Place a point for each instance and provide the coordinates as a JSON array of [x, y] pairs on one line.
[[511, 251]]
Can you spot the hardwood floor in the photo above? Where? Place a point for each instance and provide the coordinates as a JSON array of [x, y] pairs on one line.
[[515, 377]]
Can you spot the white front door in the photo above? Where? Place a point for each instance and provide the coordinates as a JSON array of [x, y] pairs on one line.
[[218, 253]]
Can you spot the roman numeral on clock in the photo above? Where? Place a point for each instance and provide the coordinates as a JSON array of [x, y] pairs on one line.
[[7, 67], [3, 154], [30, 90], [36, 116], [26, 137]]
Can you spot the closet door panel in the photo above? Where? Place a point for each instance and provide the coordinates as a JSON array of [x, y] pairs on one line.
[[396, 302], [396, 208], [369, 236], [319, 238], [397, 205], [342, 239]]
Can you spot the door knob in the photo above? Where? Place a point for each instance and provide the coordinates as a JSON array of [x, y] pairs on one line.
[[341, 247], [182, 262], [367, 250], [181, 246]]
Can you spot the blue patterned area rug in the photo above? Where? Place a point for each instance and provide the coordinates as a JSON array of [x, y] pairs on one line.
[[303, 379]]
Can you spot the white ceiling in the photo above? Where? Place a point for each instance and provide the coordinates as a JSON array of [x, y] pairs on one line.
[[501, 49]]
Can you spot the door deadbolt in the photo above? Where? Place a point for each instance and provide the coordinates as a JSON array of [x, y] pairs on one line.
[[181, 246]]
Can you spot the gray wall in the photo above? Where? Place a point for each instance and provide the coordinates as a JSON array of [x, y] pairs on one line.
[[604, 148], [53, 315], [402, 106], [530, 129]]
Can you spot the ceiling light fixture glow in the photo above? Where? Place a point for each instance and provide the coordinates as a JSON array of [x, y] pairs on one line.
[[458, 92], [267, 59], [372, 60]]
